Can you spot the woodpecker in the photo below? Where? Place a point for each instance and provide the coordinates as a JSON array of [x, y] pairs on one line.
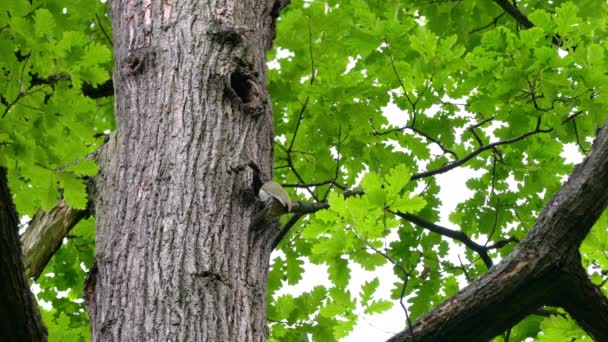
[[276, 202]]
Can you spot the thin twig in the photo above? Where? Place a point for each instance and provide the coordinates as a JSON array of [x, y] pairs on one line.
[[492, 195], [445, 150], [337, 174], [457, 163], [520, 220], [300, 117], [464, 270], [502, 243], [494, 22], [302, 185], [406, 274], [312, 58], [390, 56], [299, 177], [578, 140], [19, 97], [482, 122], [571, 117], [103, 30]]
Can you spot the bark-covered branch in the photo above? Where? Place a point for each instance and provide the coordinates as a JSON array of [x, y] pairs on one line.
[[521, 18], [47, 229], [482, 251], [19, 317], [285, 229], [537, 272], [44, 235], [586, 303], [515, 13]]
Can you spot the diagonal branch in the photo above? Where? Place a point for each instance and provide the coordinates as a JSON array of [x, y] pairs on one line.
[[285, 229], [537, 272], [302, 208], [457, 163], [522, 19], [515, 13], [482, 251], [44, 235], [305, 185]]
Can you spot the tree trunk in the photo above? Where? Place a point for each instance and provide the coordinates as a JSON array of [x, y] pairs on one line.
[[19, 316], [175, 259]]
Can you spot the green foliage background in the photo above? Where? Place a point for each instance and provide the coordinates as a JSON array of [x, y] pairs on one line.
[[447, 65], [49, 51]]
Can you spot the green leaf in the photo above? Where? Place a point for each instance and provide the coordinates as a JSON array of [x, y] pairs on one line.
[[406, 204], [294, 270], [60, 327], [74, 190], [376, 195], [95, 54], [379, 306], [44, 23], [397, 178], [595, 55], [557, 328], [85, 167], [339, 273], [284, 305], [367, 290]]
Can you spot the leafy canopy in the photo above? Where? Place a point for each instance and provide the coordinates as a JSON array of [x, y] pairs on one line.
[[367, 96], [51, 53], [371, 94]]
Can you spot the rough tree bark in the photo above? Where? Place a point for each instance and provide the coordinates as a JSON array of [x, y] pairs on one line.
[[175, 259], [19, 316]]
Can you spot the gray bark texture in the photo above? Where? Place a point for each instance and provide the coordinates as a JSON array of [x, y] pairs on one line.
[[175, 258], [19, 316]]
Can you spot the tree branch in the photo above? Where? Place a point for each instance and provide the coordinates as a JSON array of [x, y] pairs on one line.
[[457, 163], [515, 13], [45, 234], [522, 19], [417, 131], [533, 274], [406, 274], [285, 229], [453, 234], [585, 302], [494, 22], [19, 316]]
